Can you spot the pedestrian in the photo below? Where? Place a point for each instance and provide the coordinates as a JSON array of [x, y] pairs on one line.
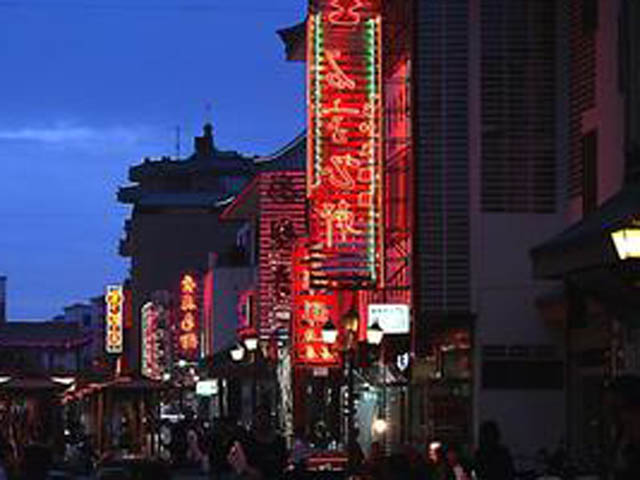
[[4, 457], [453, 467], [36, 462], [300, 451], [263, 455], [224, 433], [492, 459], [623, 399], [356, 455], [373, 464]]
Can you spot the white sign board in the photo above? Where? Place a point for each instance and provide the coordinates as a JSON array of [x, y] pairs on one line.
[[392, 318], [207, 388]]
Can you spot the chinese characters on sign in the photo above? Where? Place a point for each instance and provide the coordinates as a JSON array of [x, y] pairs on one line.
[[114, 300], [188, 312], [282, 221], [150, 316], [154, 336], [311, 312], [344, 141]]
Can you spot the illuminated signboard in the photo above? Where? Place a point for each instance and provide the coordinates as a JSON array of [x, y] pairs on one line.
[[344, 141], [153, 340], [188, 312], [114, 300], [392, 318], [282, 221], [311, 312]]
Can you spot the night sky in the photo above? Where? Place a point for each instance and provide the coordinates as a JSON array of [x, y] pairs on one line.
[[90, 87]]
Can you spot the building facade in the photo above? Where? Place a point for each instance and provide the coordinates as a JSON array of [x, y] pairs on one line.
[[174, 224], [594, 306]]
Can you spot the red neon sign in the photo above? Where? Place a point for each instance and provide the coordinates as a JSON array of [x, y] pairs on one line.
[[311, 312], [344, 142], [282, 221], [188, 317]]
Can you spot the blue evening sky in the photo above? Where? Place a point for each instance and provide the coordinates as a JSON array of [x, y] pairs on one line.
[[90, 87]]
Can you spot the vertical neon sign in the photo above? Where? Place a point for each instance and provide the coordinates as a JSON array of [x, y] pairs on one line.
[[114, 300], [188, 339], [311, 311], [149, 316], [344, 141]]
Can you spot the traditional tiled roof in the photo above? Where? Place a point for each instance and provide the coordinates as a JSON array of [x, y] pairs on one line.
[[219, 161], [294, 39], [290, 157], [41, 334]]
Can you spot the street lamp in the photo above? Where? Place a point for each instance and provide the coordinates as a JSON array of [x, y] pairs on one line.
[[329, 333], [237, 353], [350, 322], [251, 342], [375, 333], [627, 242]]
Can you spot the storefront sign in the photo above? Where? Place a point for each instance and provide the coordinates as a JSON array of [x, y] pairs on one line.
[[345, 141], [154, 321], [282, 221], [114, 300], [312, 311], [188, 318], [393, 319], [207, 388]]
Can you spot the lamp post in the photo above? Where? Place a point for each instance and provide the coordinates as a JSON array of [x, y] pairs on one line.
[[249, 344], [350, 321]]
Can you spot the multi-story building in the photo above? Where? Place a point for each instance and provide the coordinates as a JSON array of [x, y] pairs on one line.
[[174, 223], [595, 305], [476, 103], [3, 299]]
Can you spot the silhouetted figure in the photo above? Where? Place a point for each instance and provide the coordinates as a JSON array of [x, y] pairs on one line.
[[624, 400], [263, 455], [4, 457], [453, 468], [224, 433], [493, 460], [395, 467], [36, 462], [356, 455], [300, 452], [373, 464]]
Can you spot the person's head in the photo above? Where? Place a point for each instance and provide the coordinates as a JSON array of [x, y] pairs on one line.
[[489, 434], [623, 399], [262, 419], [434, 452], [411, 453], [376, 450], [452, 455], [36, 462]]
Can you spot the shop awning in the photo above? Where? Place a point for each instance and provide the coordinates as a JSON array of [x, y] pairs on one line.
[[586, 244]]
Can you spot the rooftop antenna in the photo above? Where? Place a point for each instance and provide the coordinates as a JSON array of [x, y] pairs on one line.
[[178, 142], [208, 109]]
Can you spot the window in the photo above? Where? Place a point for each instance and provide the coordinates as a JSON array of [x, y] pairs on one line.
[[589, 16], [589, 172]]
